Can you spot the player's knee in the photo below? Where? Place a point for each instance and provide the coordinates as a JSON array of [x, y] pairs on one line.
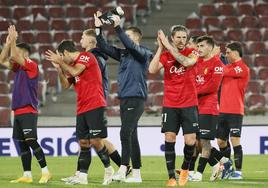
[[221, 143], [190, 139], [170, 137], [125, 134], [235, 141], [84, 143]]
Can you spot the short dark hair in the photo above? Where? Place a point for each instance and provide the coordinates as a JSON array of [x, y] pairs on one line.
[[206, 38], [176, 28], [135, 30], [67, 45], [194, 38], [235, 46], [90, 32], [24, 46]]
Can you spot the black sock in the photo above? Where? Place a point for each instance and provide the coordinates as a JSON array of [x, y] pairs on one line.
[[38, 152], [202, 164], [238, 157], [188, 153], [216, 154], [78, 164], [26, 155], [170, 158], [116, 158], [104, 157], [84, 159], [212, 161], [192, 163], [226, 151]]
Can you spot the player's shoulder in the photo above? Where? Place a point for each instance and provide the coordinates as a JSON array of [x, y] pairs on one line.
[[85, 57]]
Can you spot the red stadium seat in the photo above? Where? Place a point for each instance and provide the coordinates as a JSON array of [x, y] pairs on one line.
[[20, 12], [76, 36], [46, 64], [130, 13], [113, 111], [4, 88], [5, 119], [155, 86], [158, 99], [226, 9], [4, 25], [42, 48], [77, 24], [71, 2], [265, 87], [263, 74], [218, 35], [90, 22], [261, 60], [253, 74], [248, 59], [5, 12], [207, 10], [10, 76], [59, 24], [5, 101], [43, 37], [51, 76], [41, 25], [265, 35], [156, 76], [21, 3], [245, 9], [27, 37], [249, 21], [263, 21], [197, 32], [143, 6], [53, 2], [90, 2], [261, 9], [256, 100], [253, 35], [24, 25], [73, 12], [37, 2], [234, 35], [60, 35], [5, 2], [254, 87], [212, 20], [255, 47], [193, 23], [3, 76], [230, 22], [89, 11], [56, 11], [39, 10]]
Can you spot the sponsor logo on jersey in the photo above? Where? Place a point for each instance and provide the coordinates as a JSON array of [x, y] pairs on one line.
[[200, 79], [218, 70], [178, 71], [84, 58], [238, 69]]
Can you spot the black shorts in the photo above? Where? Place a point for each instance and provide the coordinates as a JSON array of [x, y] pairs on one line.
[[91, 124], [174, 118], [207, 126], [229, 124], [25, 126]]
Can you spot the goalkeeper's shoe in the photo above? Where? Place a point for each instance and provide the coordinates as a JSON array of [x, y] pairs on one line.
[[45, 177], [22, 179]]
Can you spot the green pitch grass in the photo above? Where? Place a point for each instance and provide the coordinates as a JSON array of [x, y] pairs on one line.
[[255, 172]]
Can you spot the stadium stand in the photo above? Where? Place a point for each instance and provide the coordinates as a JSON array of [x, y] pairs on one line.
[[45, 23]]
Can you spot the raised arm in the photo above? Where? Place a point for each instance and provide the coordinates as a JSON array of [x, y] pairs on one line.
[[72, 70], [15, 55], [155, 64], [4, 54], [102, 44], [184, 60], [64, 80]]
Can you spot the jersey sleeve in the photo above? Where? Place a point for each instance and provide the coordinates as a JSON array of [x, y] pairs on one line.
[[238, 71], [31, 68], [85, 59]]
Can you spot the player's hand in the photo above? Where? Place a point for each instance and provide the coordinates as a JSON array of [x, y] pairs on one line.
[[12, 33], [116, 20], [98, 22], [159, 42], [53, 57], [164, 40]]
